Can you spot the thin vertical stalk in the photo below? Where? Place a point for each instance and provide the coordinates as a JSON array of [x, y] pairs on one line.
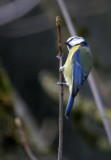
[[61, 91], [23, 139]]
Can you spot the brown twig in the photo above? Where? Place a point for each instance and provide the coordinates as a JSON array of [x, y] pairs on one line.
[[23, 139], [61, 91]]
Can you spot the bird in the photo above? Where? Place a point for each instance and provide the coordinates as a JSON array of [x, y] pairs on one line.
[[76, 68]]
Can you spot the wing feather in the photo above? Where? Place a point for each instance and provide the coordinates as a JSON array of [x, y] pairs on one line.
[[78, 73]]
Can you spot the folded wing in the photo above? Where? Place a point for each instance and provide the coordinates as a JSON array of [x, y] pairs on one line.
[[79, 75]]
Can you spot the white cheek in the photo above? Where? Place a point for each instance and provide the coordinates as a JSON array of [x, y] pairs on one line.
[[73, 43]]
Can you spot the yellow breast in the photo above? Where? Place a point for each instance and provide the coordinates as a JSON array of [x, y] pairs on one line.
[[68, 66]]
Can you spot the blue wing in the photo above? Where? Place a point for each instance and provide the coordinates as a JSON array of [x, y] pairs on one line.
[[78, 78], [78, 73]]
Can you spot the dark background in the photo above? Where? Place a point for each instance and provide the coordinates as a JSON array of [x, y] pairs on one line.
[[28, 46]]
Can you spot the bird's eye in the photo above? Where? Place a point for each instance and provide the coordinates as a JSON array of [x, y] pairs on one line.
[[71, 39]]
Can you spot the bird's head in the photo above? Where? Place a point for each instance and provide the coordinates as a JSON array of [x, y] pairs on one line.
[[73, 41]]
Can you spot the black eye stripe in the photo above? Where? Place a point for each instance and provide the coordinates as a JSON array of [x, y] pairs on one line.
[[71, 39]]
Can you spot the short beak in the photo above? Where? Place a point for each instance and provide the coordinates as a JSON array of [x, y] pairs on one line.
[[66, 43]]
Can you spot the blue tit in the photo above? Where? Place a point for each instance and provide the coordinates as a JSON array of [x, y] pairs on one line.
[[76, 68]]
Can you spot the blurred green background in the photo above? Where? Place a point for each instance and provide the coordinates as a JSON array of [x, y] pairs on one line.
[[29, 73]]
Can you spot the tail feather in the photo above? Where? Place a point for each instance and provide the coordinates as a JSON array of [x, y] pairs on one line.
[[69, 106]]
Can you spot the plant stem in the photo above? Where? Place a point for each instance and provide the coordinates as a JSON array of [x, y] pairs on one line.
[[61, 91], [23, 139]]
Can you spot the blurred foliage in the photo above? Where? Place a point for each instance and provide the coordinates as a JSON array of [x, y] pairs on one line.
[[85, 115], [6, 105], [9, 141]]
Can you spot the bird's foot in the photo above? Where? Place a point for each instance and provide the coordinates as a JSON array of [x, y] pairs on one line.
[[61, 69], [58, 56], [63, 83]]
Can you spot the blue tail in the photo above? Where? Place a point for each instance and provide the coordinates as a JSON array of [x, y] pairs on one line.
[[69, 106]]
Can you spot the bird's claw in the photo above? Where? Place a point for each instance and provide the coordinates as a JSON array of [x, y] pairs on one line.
[[58, 56], [61, 69], [63, 83]]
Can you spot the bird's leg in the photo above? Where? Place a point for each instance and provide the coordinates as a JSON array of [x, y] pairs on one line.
[[61, 70], [63, 83], [58, 56]]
